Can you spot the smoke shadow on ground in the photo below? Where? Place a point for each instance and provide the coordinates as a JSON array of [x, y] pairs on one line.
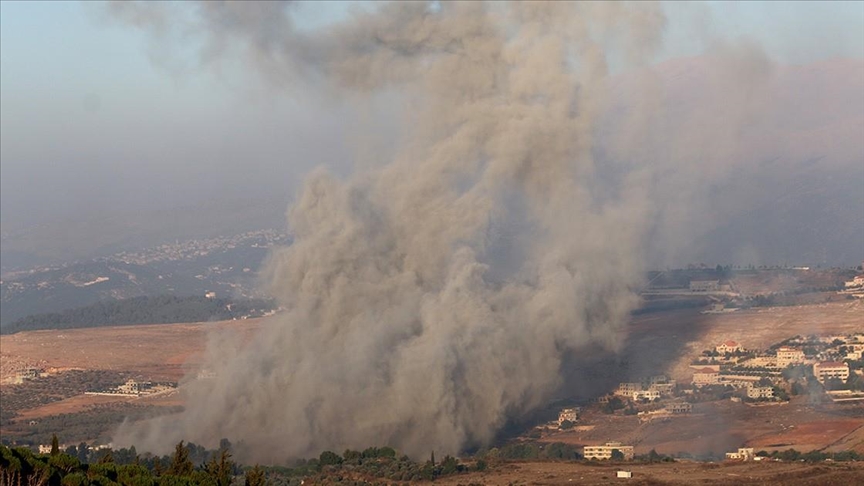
[[654, 342]]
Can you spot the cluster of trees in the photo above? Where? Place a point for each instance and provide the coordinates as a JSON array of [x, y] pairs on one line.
[[812, 456], [376, 464], [192, 464], [555, 451], [162, 309], [653, 456], [21, 466]]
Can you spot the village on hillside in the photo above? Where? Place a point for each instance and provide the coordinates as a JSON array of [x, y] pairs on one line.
[[826, 369]]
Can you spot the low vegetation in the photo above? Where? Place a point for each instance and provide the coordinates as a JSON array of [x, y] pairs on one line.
[[163, 309], [194, 465], [45, 390]]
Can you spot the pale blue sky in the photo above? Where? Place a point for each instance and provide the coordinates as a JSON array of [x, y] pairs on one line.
[[88, 121]]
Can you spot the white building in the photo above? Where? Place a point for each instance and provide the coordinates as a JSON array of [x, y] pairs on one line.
[[830, 369], [650, 395], [728, 347], [787, 356], [855, 351], [743, 454], [706, 376], [131, 387], [605, 451], [757, 392]]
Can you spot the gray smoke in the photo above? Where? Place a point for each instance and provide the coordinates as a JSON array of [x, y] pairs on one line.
[[431, 297]]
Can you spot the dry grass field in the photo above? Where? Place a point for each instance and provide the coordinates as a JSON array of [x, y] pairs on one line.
[[678, 473], [157, 352]]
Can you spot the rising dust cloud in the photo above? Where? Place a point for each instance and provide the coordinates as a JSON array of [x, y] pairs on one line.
[[431, 298]]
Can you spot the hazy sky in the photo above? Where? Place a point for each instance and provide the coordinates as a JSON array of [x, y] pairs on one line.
[[90, 121]]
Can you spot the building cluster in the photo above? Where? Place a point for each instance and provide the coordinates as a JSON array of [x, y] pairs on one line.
[[46, 448], [28, 374], [132, 388], [758, 374], [192, 249], [651, 390]]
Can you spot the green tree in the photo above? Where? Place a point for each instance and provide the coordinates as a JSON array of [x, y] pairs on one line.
[[55, 445], [107, 457], [329, 458], [64, 462], [255, 477], [181, 465], [854, 382], [617, 455], [449, 465], [220, 468]]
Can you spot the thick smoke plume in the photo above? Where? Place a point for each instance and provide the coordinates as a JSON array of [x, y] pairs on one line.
[[431, 298]]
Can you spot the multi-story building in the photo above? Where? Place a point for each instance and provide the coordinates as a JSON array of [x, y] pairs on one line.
[[743, 454], [787, 356], [627, 389], [706, 376], [605, 451], [568, 415], [831, 369], [681, 407], [757, 392]]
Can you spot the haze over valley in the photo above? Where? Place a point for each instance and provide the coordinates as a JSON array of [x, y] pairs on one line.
[[341, 240]]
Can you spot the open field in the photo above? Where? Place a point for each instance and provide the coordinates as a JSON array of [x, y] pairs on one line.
[[718, 427], [157, 352], [111, 355], [677, 473]]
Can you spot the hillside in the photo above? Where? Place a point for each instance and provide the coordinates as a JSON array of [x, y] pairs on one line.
[[163, 309]]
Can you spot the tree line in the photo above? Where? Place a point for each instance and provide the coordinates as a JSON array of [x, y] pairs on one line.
[[191, 464], [161, 309]]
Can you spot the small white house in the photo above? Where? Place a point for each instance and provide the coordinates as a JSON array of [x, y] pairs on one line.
[[625, 474]]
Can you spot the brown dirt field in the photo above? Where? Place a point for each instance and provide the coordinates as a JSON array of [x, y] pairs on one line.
[[155, 351], [718, 427], [678, 473], [71, 405], [81, 403]]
